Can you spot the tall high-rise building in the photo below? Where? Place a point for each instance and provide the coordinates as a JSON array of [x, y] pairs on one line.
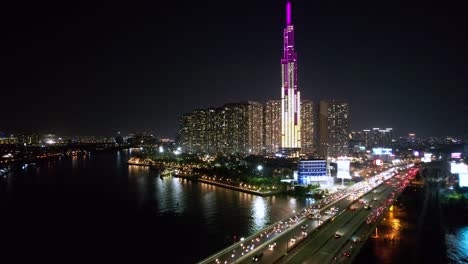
[[387, 137], [195, 133], [366, 136], [333, 128], [290, 96], [235, 128], [382, 137], [255, 128], [272, 126], [307, 127], [376, 137], [213, 129]]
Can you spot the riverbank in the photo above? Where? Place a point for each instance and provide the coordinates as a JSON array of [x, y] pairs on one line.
[[228, 186]]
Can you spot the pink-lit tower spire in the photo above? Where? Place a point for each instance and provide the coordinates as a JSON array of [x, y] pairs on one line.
[[290, 96]]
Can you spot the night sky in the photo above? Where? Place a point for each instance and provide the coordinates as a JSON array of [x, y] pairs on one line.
[[83, 68]]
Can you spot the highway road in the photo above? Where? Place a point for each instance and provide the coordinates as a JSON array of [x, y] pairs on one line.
[[288, 233], [322, 248], [352, 248], [351, 224]]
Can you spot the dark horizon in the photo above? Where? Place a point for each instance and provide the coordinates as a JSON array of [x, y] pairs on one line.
[[95, 69]]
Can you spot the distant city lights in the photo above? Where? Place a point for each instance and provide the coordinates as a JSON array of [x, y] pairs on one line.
[[382, 151], [50, 141], [378, 162], [427, 157], [178, 151]]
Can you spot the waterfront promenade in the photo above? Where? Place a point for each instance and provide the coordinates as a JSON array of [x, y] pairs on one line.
[[209, 180]]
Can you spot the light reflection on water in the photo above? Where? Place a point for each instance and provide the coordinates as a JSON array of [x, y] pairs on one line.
[[132, 207], [222, 210], [209, 200], [457, 245], [259, 210], [293, 204]]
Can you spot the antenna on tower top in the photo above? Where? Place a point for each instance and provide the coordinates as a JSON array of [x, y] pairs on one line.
[[288, 13]]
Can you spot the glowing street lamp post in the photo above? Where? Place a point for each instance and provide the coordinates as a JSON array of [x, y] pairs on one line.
[[260, 169]]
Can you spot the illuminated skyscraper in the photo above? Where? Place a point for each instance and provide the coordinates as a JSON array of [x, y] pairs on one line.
[[366, 134], [382, 137], [375, 137], [333, 128], [307, 127], [234, 128], [290, 96], [272, 126]]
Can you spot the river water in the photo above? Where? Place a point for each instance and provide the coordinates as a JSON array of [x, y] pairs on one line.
[[97, 208], [457, 244]]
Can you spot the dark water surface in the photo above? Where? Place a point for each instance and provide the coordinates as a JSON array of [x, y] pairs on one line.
[[97, 208], [457, 244]]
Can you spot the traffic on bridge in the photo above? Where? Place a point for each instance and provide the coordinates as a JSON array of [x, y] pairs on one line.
[[276, 241]]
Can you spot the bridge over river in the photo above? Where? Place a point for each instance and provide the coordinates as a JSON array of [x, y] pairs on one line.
[[329, 231]]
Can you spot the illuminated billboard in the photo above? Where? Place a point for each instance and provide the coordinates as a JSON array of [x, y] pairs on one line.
[[458, 167], [309, 171], [343, 168], [427, 157], [378, 162], [463, 179], [461, 169], [456, 155], [381, 151]]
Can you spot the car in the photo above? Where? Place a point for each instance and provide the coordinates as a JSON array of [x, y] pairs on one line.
[[375, 198], [346, 254], [337, 235], [257, 257], [272, 246], [353, 208]]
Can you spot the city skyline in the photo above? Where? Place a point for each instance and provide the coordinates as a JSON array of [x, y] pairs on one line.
[[79, 70]]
